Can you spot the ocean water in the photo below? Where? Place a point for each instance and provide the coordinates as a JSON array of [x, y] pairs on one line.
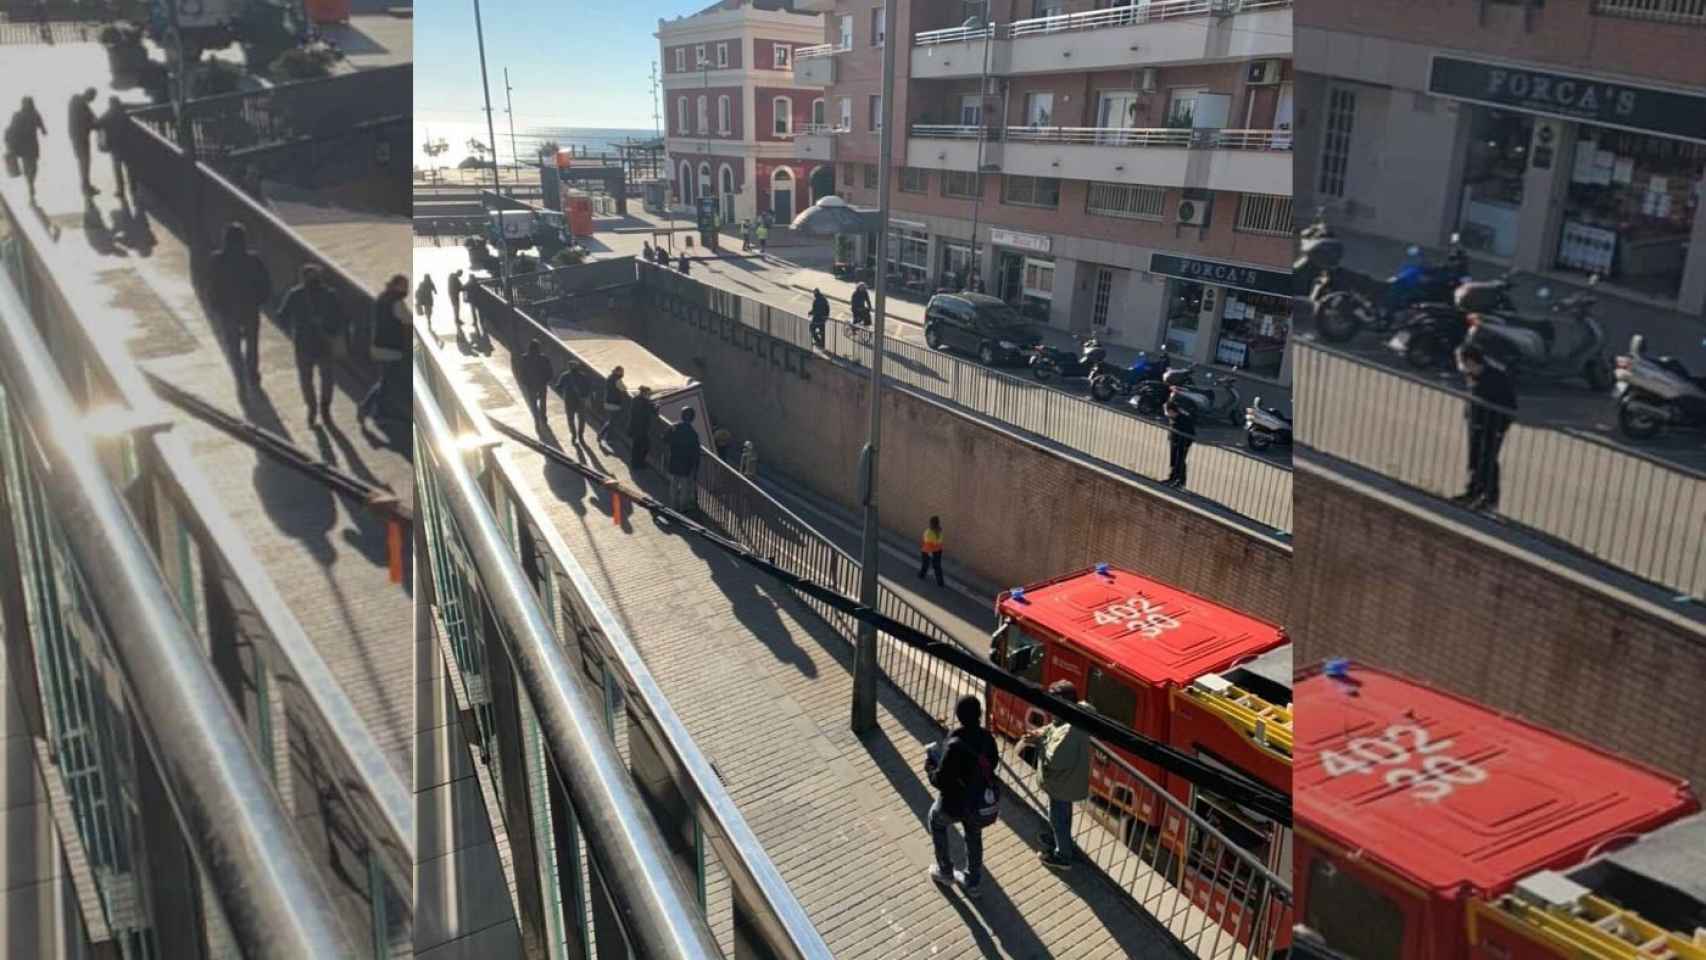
[[527, 141]]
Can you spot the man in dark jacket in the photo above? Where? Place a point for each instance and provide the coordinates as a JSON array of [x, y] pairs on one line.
[[533, 375], [570, 385], [683, 461], [1492, 401], [642, 413], [454, 289], [239, 286], [614, 399], [682, 264], [966, 763], [311, 312], [389, 349], [80, 123], [861, 305], [1182, 417], [22, 142], [109, 124], [819, 315]]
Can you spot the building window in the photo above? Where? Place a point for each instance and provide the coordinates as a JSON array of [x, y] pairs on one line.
[[1031, 191], [961, 185], [1264, 213], [870, 176], [846, 42], [699, 56], [819, 117], [680, 59], [877, 31], [914, 180], [910, 249], [1039, 109], [1127, 200], [681, 115], [1336, 145], [783, 54], [704, 114], [722, 54], [846, 121], [1047, 8], [724, 114], [782, 113], [876, 114], [847, 174]]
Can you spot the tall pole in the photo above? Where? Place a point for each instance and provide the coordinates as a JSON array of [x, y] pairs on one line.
[[865, 655], [669, 175], [982, 126], [186, 127], [509, 109], [492, 133]]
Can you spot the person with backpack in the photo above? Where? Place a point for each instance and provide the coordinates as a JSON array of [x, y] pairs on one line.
[[239, 286], [311, 312], [1063, 759], [962, 769]]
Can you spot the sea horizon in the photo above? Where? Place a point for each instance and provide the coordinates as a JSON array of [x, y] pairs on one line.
[[526, 143]]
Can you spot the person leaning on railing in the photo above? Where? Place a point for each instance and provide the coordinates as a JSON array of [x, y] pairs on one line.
[[1063, 759]]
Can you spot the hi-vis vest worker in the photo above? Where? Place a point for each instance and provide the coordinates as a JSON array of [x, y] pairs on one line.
[[932, 540]]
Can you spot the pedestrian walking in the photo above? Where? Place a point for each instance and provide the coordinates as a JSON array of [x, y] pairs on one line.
[[861, 303], [454, 287], [22, 143], [1063, 759], [642, 413], [80, 124], [930, 555], [615, 396], [1181, 417], [647, 254], [745, 236], [107, 133], [239, 286], [682, 264], [569, 386], [819, 315], [388, 348], [763, 238], [962, 769], [683, 461], [316, 322], [1492, 395], [425, 292], [533, 372]]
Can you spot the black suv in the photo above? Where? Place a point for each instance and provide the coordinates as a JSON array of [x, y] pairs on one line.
[[978, 324]]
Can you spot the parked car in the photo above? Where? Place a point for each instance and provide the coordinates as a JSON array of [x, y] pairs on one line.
[[978, 324]]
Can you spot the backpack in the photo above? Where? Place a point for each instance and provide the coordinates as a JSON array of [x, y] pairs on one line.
[[983, 792]]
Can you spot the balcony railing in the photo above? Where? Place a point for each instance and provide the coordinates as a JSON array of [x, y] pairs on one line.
[[953, 35], [1661, 11], [817, 50], [1115, 136], [1133, 14], [820, 130]]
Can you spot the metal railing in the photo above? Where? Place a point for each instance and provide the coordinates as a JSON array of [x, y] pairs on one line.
[[1245, 484], [959, 34], [224, 789], [815, 50], [1103, 136], [1634, 512], [1214, 896], [954, 131], [821, 129], [620, 862], [1179, 137], [1114, 17], [1692, 12]]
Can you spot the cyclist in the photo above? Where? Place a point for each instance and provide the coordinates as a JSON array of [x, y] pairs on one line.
[[819, 315], [861, 306]]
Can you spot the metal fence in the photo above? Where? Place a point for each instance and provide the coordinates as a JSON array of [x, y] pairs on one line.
[[606, 795], [1631, 511], [1106, 18], [225, 793], [1247, 485], [1215, 896]]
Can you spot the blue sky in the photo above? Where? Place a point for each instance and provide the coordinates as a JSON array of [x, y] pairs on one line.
[[571, 62]]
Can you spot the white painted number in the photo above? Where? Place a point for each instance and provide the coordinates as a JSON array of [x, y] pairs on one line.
[[1419, 766], [1137, 614]]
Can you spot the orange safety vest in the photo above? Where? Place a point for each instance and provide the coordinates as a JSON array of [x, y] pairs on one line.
[[932, 541]]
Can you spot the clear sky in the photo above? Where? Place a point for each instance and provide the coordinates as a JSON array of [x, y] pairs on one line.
[[573, 63]]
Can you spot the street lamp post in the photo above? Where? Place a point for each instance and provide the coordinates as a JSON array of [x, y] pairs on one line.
[[492, 135], [976, 265], [865, 654]]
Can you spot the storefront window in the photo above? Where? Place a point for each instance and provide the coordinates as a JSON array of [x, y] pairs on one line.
[[1253, 331], [1492, 180], [1037, 289], [1630, 208], [1184, 314], [958, 263], [910, 248]]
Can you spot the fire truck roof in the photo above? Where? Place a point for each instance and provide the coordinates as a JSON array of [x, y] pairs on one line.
[[1446, 792], [1156, 633]]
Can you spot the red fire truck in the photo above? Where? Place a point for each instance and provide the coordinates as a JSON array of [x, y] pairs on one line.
[[1432, 828], [1177, 668]]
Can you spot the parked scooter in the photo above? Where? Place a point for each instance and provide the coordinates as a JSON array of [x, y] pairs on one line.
[[1657, 392], [1266, 426], [1319, 254], [1341, 314], [1049, 362], [1532, 346], [1109, 381], [1216, 396]]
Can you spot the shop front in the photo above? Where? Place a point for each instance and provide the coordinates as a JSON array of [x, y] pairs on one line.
[[1230, 314], [1024, 271], [909, 256], [1582, 174]]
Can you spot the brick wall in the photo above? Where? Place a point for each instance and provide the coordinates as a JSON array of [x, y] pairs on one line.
[[1381, 585], [1014, 513]]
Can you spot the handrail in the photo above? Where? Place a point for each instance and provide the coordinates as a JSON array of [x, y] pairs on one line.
[[1129, 15], [953, 35], [620, 833], [231, 818], [815, 50]]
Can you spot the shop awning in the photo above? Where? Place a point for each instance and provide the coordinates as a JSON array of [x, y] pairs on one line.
[[1239, 276]]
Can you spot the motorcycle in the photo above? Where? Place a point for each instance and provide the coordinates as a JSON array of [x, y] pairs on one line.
[[1265, 426], [1319, 253], [1048, 362], [1429, 339], [1657, 392], [1216, 396], [1341, 314], [1530, 345], [1109, 381]]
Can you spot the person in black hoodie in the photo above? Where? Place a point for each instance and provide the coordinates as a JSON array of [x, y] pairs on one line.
[[80, 123], [968, 760], [534, 373], [1181, 416], [390, 347], [239, 286], [22, 141], [641, 414], [1492, 400], [861, 303], [311, 312], [683, 461], [819, 315]]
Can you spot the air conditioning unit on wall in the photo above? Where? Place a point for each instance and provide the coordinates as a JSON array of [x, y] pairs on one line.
[[1193, 211], [1264, 73], [1146, 79]]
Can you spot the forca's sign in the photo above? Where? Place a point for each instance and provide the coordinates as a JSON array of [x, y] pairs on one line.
[[1644, 109]]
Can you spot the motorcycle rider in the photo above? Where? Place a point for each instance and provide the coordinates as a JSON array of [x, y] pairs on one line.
[[1493, 399], [819, 315], [861, 305]]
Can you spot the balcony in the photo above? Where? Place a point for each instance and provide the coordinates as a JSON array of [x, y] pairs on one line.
[[1167, 31], [1248, 161], [815, 66], [816, 141], [1692, 12]]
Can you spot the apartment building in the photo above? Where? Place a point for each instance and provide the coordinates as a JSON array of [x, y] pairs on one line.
[[1122, 170], [733, 105], [1555, 137]]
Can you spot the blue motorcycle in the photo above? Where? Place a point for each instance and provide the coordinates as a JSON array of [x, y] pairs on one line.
[[1141, 381], [1341, 314]]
